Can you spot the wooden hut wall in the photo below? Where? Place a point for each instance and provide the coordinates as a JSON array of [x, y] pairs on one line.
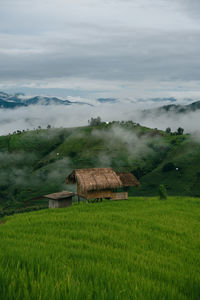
[[119, 196], [60, 203], [99, 194]]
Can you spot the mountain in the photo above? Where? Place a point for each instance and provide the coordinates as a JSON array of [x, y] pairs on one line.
[[107, 100], [169, 99], [10, 104], [46, 101], [181, 108], [18, 100]]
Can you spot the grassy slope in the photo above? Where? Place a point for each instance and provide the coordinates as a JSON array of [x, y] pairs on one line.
[[185, 181], [30, 166], [142, 248]]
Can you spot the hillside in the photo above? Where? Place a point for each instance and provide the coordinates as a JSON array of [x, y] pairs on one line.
[[35, 163], [142, 248], [180, 171]]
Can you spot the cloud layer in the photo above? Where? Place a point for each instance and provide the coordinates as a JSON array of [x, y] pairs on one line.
[[47, 44], [73, 116]]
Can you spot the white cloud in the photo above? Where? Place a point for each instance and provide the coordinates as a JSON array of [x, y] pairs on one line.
[[76, 115]]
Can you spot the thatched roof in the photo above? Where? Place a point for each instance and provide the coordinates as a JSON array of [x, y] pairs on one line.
[[97, 179], [128, 179], [60, 195]]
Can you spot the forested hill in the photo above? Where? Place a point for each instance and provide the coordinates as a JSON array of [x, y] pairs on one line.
[[35, 163], [175, 108]]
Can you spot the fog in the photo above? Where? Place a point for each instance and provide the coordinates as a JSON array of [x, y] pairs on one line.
[[78, 115]]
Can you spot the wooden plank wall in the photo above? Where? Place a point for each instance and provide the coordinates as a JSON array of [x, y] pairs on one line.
[[119, 196], [99, 194]]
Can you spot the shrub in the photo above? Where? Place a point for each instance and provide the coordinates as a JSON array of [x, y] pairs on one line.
[[162, 192], [168, 167]]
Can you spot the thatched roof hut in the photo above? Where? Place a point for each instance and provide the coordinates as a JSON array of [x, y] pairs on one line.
[[95, 179], [100, 182]]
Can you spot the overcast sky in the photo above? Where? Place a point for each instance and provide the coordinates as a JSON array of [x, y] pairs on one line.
[[118, 48]]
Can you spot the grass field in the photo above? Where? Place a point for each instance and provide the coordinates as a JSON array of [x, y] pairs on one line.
[[142, 248]]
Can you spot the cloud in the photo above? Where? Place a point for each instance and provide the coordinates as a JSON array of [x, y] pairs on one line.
[[191, 8], [97, 40], [75, 115]]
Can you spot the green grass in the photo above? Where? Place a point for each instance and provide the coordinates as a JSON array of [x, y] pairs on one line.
[[142, 248]]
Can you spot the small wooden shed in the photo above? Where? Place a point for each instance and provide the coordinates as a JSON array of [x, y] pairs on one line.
[[59, 200], [98, 183]]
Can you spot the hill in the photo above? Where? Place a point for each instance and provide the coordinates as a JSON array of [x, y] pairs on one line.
[[35, 163], [142, 248], [194, 106], [174, 108]]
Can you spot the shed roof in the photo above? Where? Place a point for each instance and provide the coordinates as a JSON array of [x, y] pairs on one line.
[[97, 179], [128, 179], [60, 195]]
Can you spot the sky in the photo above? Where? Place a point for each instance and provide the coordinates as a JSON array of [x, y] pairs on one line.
[[127, 49]]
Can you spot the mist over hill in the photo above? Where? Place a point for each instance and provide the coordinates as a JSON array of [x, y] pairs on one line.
[[177, 108], [20, 112]]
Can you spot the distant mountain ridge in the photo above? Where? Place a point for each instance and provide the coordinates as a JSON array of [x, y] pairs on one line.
[[177, 108], [182, 108], [174, 108], [15, 101], [19, 100], [107, 100]]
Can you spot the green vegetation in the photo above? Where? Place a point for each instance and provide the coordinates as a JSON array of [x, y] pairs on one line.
[[35, 163], [183, 175], [142, 248], [162, 192]]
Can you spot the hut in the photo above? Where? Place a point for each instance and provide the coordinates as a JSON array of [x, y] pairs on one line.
[[59, 200], [98, 183]]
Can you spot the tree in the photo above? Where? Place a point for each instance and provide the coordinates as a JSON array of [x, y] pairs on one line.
[[168, 130], [48, 126], [94, 121], [180, 131]]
